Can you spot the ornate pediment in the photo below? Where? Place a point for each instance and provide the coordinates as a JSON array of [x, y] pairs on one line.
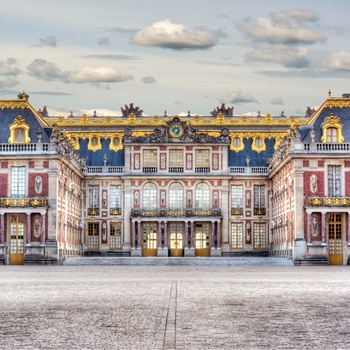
[[176, 131]]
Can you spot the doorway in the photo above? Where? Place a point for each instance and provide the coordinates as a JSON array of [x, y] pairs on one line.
[[17, 229], [176, 242], [335, 242]]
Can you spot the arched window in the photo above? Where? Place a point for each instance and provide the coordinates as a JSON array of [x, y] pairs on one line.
[[202, 195], [332, 135], [176, 195], [149, 196]]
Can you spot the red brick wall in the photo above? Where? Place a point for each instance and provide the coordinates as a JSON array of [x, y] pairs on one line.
[[4, 185], [320, 183], [44, 185], [347, 183]]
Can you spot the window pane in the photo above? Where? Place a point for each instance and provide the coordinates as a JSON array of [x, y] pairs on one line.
[[115, 197], [149, 196], [259, 235], [176, 194], [149, 157], [18, 176], [202, 195], [334, 180], [237, 196], [202, 158], [176, 157], [259, 196], [237, 235], [94, 197]]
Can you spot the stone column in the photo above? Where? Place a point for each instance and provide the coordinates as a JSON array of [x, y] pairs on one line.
[[43, 224], [28, 233], [165, 234], [2, 229], [218, 233], [323, 228], [309, 227], [139, 234], [212, 241], [133, 234], [192, 234]]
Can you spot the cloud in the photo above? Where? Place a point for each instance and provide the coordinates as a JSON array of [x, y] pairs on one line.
[[48, 41], [277, 101], [168, 35], [340, 61], [8, 83], [105, 41], [113, 57], [148, 80], [51, 93], [49, 71], [288, 56], [235, 95], [284, 28], [7, 67]]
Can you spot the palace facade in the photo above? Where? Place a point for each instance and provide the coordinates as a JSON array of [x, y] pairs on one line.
[[135, 185]]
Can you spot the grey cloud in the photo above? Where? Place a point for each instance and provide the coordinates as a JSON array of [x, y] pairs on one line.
[[8, 83], [235, 95], [168, 35], [148, 80], [340, 61], [113, 57], [51, 93], [48, 41], [7, 67], [49, 71], [277, 101], [105, 41], [284, 28], [291, 57]]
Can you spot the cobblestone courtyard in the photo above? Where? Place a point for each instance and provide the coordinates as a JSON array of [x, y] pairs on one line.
[[174, 307]]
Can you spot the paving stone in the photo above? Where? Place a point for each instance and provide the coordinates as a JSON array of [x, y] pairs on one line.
[[174, 307]]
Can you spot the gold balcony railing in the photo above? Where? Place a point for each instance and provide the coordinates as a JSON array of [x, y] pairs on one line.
[[22, 202], [327, 201], [180, 212]]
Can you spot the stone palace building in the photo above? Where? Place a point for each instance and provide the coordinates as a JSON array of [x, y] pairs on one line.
[[219, 185]]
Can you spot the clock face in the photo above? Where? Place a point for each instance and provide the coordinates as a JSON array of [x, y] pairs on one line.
[[176, 130]]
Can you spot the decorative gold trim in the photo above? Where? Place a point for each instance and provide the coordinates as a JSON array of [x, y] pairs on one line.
[[238, 148], [19, 124], [159, 121], [116, 146], [141, 132], [258, 148], [263, 134], [94, 138], [332, 122]]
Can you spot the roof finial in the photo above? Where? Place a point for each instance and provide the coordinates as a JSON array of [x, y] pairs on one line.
[[329, 93]]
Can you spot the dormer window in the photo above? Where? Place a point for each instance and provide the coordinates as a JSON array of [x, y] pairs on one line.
[[19, 131], [332, 129]]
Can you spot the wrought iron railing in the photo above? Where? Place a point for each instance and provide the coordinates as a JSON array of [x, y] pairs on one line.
[[181, 212], [115, 211], [23, 202], [236, 211], [327, 201], [259, 211], [93, 211]]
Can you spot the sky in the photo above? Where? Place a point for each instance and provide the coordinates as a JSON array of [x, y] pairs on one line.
[[174, 57]]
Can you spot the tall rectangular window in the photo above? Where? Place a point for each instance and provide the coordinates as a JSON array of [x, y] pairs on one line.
[[115, 235], [334, 180], [259, 200], [18, 181], [150, 158], [115, 200], [259, 235], [94, 197], [202, 158], [93, 234], [236, 235], [236, 199], [176, 157]]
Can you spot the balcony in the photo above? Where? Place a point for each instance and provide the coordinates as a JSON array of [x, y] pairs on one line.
[[236, 211], [115, 211], [23, 202], [27, 148], [325, 147], [150, 169], [249, 171], [202, 169], [327, 201], [105, 170], [93, 211], [175, 213], [176, 169], [259, 211]]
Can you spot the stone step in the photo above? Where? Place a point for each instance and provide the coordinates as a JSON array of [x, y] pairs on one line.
[[179, 261]]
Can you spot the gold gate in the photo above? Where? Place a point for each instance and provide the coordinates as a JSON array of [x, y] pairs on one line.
[[149, 231], [176, 239], [202, 244], [335, 243], [17, 229]]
